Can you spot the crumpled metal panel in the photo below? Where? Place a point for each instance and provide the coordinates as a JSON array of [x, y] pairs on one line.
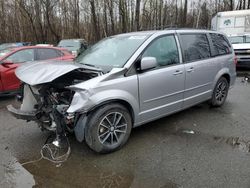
[[34, 73]]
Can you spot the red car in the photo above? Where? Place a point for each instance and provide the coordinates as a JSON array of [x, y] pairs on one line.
[[11, 58]]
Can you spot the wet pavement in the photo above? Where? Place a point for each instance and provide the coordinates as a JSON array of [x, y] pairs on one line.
[[199, 147]]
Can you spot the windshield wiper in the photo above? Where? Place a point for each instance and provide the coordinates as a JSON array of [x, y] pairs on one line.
[[89, 65]]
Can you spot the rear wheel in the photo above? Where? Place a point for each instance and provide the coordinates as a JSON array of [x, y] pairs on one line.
[[109, 128], [220, 92]]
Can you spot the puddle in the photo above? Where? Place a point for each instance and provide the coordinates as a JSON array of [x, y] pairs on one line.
[[46, 174], [235, 142], [81, 170]]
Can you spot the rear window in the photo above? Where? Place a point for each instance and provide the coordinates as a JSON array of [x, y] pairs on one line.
[[236, 40], [195, 47], [69, 43], [239, 39], [44, 54], [220, 44]]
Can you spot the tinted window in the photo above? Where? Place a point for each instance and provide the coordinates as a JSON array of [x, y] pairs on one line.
[[220, 44], [247, 39], [69, 43], [43, 54], [195, 47], [239, 39], [164, 50], [22, 56], [235, 40]]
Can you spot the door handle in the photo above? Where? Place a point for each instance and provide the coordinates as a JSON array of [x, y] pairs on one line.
[[191, 69], [177, 72]]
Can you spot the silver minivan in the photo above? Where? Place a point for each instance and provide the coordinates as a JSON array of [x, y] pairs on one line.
[[125, 81]]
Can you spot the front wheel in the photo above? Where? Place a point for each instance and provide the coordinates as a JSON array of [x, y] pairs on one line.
[[109, 128], [220, 92]]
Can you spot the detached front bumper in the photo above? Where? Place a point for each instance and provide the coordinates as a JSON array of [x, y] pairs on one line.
[[19, 114]]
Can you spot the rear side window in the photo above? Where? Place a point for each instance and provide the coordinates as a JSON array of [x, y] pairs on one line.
[[43, 54], [220, 44], [195, 47]]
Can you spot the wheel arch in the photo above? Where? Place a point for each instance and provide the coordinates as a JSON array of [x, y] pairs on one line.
[[227, 76], [123, 102], [222, 73]]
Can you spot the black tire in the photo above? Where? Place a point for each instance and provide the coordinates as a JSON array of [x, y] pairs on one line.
[[220, 92], [98, 125]]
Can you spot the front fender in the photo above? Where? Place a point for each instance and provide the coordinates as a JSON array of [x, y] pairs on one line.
[[83, 101]]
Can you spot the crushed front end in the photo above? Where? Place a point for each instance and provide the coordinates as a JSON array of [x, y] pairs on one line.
[[47, 103]]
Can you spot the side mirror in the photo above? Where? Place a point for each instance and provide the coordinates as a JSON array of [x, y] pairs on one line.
[[7, 63], [148, 63]]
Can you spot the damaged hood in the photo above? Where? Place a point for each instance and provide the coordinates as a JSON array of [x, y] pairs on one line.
[[34, 73]]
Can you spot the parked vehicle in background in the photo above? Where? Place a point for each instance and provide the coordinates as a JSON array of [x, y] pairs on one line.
[[125, 81], [75, 46], [11, 58], [241, 45], [14, 45], [232, 22]]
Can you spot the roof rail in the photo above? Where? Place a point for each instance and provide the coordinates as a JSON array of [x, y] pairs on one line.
[[163, 27], [188, 28], [171, 27]]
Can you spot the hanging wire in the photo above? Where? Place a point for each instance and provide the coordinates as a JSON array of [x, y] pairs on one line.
[[53, 153]]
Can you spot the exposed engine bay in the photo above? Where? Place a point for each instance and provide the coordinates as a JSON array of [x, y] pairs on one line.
[[47, 103]]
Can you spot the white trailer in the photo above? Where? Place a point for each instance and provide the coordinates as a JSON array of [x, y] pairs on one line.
[[232, 22]]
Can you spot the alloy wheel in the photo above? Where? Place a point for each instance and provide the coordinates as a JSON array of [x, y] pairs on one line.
[[112, 129], [221, 91]]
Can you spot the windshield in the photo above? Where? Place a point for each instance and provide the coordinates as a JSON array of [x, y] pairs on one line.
[[69, 43], [112, 52], [239, 39]]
